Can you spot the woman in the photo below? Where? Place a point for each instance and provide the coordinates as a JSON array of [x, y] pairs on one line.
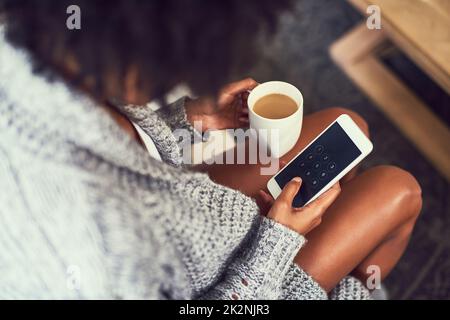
[[87, 214]]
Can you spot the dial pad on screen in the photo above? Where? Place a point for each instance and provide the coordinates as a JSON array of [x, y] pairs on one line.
[[317, 167]]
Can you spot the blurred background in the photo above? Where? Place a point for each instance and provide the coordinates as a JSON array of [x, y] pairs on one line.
[[300, 55]]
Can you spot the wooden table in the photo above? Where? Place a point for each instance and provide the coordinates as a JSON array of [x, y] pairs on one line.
[[421, 30]]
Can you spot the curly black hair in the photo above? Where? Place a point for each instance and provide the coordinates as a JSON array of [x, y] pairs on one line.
[[202, 43]]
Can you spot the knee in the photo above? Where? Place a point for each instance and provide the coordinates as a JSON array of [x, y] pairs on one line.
[[403, 188], [359, 120]]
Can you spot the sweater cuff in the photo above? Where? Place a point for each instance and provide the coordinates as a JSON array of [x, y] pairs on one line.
[[298, 285], [350, 288], [265, 263], [174, 115]]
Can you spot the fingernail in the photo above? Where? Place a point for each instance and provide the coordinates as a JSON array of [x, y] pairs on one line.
[[297, 179]]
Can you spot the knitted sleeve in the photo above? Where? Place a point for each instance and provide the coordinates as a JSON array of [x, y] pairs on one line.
[[350, 288], [168, 128], [258, 270], [174, 115], [298, 285]]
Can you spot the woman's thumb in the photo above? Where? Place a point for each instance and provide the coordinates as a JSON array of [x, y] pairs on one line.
[[290, 190]]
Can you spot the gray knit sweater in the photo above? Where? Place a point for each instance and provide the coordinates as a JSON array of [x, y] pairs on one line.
[[86, 213]]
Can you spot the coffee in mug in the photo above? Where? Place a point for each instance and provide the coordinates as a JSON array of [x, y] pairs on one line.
[[275, 106]]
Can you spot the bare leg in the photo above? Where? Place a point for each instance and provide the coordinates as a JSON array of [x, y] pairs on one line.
[[369, 224]]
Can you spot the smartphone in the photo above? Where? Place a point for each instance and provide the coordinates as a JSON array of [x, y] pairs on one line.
[[338, 149]]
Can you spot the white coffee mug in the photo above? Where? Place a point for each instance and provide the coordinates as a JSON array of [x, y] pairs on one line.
[[280, 135]]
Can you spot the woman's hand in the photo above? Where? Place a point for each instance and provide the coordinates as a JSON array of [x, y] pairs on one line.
[[304, 219], [228, 112]]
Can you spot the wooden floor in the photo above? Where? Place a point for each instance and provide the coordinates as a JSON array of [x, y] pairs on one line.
[[422, 32]]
